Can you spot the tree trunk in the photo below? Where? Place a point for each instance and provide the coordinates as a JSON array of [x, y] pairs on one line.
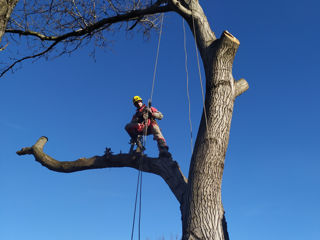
[[6, 8], [202, 210]]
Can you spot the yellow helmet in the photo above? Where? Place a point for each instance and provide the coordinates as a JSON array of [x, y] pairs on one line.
[[136, 99]]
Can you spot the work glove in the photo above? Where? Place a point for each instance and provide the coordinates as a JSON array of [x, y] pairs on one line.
[[150, 113], [147, 114], [157, 115]]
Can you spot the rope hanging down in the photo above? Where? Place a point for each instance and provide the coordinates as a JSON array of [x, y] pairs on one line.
[[200, 78], [156, 63], [187, 74], [139, 181]]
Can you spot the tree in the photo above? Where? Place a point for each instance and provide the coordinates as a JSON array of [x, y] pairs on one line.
[[199, 195]]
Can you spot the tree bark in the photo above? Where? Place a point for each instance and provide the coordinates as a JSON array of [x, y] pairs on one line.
[[203, 215], [202, 210], [6, 8]]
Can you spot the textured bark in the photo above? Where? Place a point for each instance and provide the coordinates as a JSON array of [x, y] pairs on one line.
[[166, 168], [6, 8], [202, 211], [203, 214], [241, 86]]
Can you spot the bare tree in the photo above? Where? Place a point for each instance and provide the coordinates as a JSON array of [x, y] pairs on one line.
[[73, 22]]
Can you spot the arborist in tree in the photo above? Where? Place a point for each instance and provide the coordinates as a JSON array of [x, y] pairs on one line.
[[144, 122]]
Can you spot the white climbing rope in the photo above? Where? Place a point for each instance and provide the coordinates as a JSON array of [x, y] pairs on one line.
[[139, 181], [187, 75]]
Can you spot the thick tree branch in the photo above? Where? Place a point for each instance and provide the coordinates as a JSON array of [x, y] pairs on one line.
[[193, 13], [166, 168]]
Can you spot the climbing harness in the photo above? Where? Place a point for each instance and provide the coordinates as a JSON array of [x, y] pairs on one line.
[[136, 142], [142, 145]]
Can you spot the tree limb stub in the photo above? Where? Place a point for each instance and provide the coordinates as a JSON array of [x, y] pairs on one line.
[[221, 73], [166, 168], [231, 45], [241, 86]]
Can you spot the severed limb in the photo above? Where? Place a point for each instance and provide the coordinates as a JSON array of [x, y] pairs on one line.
[[241, 86], [166, 168]]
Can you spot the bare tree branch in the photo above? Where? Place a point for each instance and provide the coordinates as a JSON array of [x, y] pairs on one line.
[[166, 168], [29, 57], [87, 30], [135, 24], [4, 47], [132, 15]]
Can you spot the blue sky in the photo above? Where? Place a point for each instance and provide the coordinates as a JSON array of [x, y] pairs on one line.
[[271, 181]]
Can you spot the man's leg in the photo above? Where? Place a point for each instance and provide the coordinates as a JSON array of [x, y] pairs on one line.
[[131, 129], [157, 135], [134, 130]]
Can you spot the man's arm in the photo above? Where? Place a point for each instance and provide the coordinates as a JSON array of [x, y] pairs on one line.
[[156, 114]]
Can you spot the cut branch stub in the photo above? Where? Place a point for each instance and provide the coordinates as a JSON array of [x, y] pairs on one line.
[[166, 168], [219, 66], [241, 86], [228, 46]]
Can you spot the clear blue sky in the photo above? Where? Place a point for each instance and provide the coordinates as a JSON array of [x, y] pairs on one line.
[[271, 180]]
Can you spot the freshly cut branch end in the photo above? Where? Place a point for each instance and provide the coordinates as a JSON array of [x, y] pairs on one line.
[[230, 36], [41, 142]]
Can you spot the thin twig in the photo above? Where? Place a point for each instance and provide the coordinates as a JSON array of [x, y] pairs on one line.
[[29, 57]]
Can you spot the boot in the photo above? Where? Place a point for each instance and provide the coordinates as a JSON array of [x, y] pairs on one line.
[[163, 151], [137, 140]]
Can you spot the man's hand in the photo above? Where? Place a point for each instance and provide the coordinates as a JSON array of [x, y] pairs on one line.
[[150, 113]]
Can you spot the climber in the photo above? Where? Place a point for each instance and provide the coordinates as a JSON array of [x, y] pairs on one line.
[[146, 116]]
